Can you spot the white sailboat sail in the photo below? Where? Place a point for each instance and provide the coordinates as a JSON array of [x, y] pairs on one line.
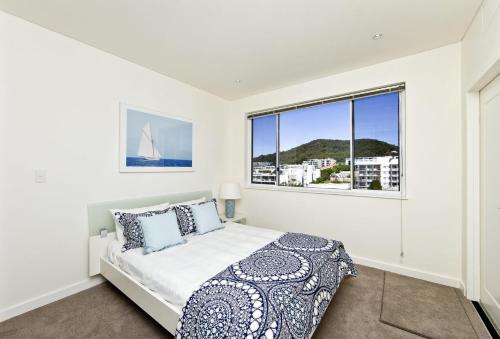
[[147, 148]]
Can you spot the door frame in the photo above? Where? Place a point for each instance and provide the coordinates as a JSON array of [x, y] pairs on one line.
[[473, 183]]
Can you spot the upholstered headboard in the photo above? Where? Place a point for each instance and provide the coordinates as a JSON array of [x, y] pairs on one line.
[[99, 216]]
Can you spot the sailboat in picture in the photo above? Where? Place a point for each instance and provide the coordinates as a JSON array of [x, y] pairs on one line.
[[154, 142], [147, 147]]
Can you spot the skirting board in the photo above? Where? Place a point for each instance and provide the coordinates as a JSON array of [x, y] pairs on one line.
[[49, 297], [410, 272], [462, 288]]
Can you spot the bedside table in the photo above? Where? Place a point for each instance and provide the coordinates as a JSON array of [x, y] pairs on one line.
[[239, 218]]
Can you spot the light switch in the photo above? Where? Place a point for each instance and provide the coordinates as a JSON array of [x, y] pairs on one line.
[[40, 176]]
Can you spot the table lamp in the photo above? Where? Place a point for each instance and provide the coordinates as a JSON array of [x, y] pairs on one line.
[[230, 192]]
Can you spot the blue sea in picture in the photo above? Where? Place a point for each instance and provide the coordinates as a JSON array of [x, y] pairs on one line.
[[142, 162]]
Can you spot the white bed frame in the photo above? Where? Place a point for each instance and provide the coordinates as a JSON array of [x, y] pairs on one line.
[[165, 313]]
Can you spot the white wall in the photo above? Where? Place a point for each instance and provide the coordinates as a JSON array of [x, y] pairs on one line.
[[370, 227], [481, 45], [59, 112], [480, 65]]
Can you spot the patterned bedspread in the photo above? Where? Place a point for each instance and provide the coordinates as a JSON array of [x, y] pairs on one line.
[[279, 291]]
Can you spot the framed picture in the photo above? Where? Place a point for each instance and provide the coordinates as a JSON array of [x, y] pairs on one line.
[[151, 141]]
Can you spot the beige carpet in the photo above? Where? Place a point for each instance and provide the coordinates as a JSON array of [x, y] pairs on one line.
[[104, 312], [355, 310], [427, 309]]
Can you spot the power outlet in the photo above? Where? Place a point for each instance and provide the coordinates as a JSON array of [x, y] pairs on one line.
[[40, 176]]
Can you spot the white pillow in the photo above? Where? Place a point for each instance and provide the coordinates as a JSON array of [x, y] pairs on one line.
[[119, 227], [190, 202]]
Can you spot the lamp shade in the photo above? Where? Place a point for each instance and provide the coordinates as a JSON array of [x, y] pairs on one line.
[[230, 191]]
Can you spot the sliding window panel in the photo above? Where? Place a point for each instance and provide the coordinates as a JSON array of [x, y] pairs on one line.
[[376, 142], [314, 143], [264, 146]]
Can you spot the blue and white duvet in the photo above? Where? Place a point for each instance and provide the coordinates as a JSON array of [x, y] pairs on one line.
[[279, 291]]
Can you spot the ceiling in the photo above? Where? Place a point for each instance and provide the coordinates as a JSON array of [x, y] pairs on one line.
[[264, 44]]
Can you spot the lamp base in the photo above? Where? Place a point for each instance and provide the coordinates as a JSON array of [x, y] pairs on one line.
[[230, 205]]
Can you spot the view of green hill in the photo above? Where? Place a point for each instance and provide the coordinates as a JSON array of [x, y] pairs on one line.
[[329, 148]]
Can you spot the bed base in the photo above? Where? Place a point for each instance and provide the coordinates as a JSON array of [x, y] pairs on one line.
[[165, 313]]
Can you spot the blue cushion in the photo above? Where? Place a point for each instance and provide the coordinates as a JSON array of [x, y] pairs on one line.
[[206, 218], [160, 231]]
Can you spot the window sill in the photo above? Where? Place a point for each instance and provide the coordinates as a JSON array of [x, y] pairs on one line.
[[331, 191]]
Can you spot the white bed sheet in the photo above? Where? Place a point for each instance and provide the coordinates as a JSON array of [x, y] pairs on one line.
[[176, 272]]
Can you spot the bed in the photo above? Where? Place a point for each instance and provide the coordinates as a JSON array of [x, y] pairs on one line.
[[212, 269]]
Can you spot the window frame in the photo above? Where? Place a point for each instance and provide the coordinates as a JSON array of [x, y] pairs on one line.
[[401, 194]]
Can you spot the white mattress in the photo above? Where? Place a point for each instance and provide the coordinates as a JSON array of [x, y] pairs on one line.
[[176, 272]]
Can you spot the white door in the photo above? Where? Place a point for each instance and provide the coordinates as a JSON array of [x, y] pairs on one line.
[[490, 201]]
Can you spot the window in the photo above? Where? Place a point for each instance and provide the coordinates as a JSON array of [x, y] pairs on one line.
[[264, 150], [376, 142], [311, 141], [345, 143]]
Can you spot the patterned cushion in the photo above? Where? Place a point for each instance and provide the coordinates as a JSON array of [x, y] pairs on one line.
[[119, 227], [132, 230], [185, 219], [185, 216]]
